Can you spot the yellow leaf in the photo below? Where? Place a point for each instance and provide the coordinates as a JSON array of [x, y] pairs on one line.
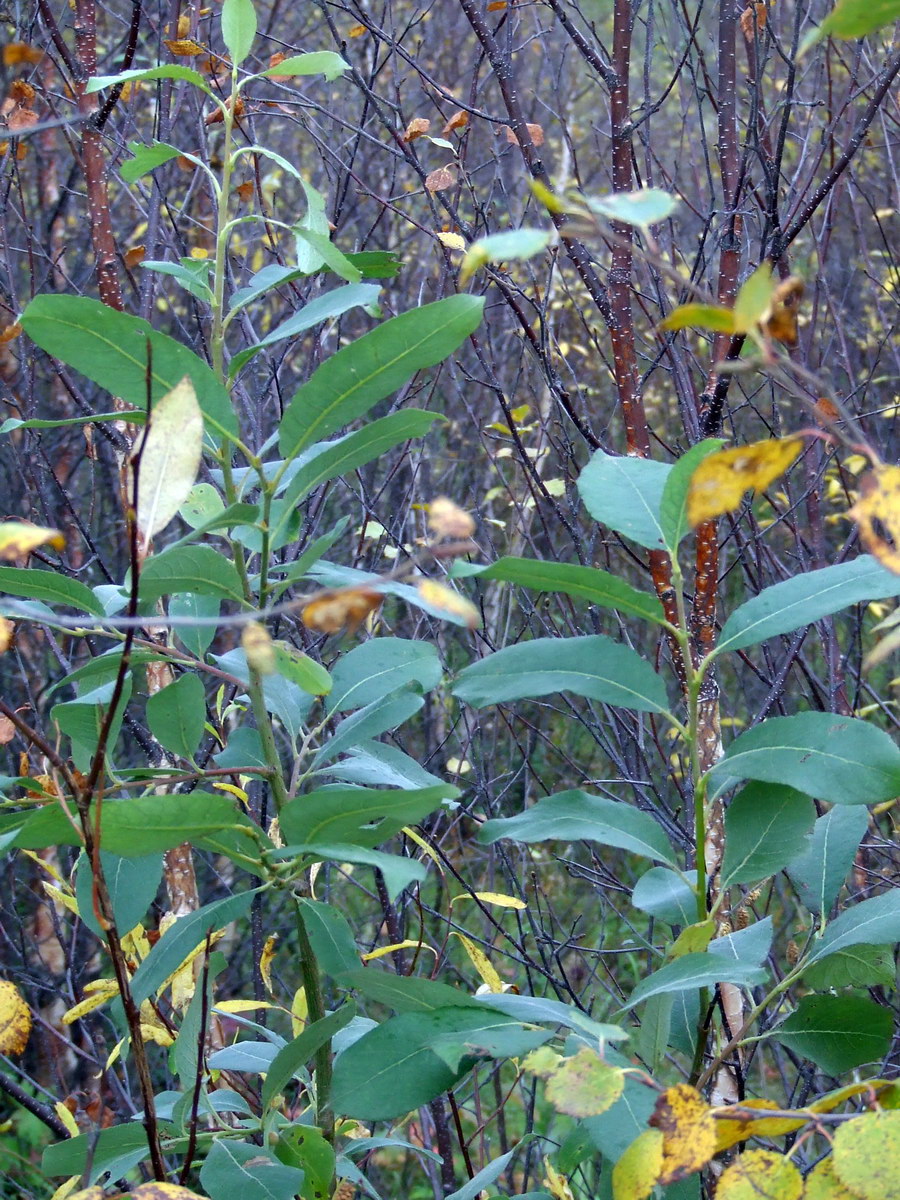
[[700, 316], [731, 1130], [452, 603], [265, 960], [822, 1183], [258, 648], [689, 1135], [344, 608], [242, 1006], [879, 500], [185, 47], [19, 538], [15, 1019], [557, 1185], [357, 31], [693, 939], [162, 1191], [447, 520], [719, 482], [58, 896], [867, 1155], [760, 1173], [424, 847], [541, 1062], [453, 241], [635, 1174], [584, 1085], [481, 963], [70, 1123], [100, 992], [409, 944], [167, 458], [234, 790], [299, 1012], [6, 636], [754, 300], [91, 1193], [497, 898]]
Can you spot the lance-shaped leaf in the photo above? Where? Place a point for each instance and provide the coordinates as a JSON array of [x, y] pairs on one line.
[[839, 759], [238, 28], [874, 922], [766, 826], [361, 816], [593, 666], [696, 971], [511, 245], [291, 1058], [168, 453], [821, 868], [168, 71], [318, 62], [574, 816], [625, 494]]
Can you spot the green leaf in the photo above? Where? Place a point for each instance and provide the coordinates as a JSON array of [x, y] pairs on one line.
[[193, 275], [483, 1178], [407, 993], [511, 245], [397, 871], [838, 1033], [330, 937], [873, 922], [359, 816], [328, 254], [289, 703], [588, 583], [857, 967], [319, 62], [305, 1147], [50, 587], [766, 826], [323, 308], [753, 299], [238, 28], [394, 1068], [625, 494], [177, 714], [696, 971], [299, 668], [839, 759], [700, 316], [170, 449], [197, 569], [574, 815], [132, 883], [359, 448], [805, 598], [82, 720], [146, 159], [347, 385], [376, 718], [592, 666], [667, 896], [181, 938], [110, 348], [851, 19], [242, 1171], [195, 638], [673, 504], [295, 1054], [821, 869], [379, 666], [169, 71], [645, 207], [114, 1150]]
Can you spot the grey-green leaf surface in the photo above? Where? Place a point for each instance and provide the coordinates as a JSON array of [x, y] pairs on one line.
[[839, 759], [132, 884], [625, 495], [198, 569], [593, 666], [673, 503], [116, 1150], [316, 62], [856, 967], [667, 895], [574, 816], [838, 1033], [330, 936], [821, 868], [805, 598], [293, 1056], [378, 717], [408, 993], [359, 816], [33, 584], [587, 583], [766, 826], [696, 971], [359, 375], [177, 714], [242, 1171], [110, 348], [379, 666], [872, 921], [398, 872]]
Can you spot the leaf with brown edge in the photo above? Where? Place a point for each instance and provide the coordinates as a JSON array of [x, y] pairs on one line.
[[15, 1019], [417, 128], [877, 513], [731, 1130], [689, 1133], [584, 1085], [719, 483], [867, 1155], [636, 1173], [19, 538], [822, 1183], [344, 608], [760, 1175]]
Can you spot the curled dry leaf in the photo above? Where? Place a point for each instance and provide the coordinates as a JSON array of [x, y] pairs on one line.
[[459, 120], [877, 513], [21, 91], [689, 1134], [417, 128], [535, 132], [265, 961], [441, 179], [753, 14], [217, 115], [344, 608], [274, 61], [447, 520], [719, 483], [19, 538], [15, 1019], [826, 411], [357, 31], [135, 255], [21, 118], [7, 731], [780, 323], [258, 648]]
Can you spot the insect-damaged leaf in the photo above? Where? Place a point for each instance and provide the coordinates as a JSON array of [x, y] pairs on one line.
[[688, 1129], [719, 483], [584, 1085], [168, 456]]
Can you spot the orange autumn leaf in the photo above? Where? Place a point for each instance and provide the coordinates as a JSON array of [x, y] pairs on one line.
[[689, 1133], [535, 132], [441, 179], [753, 14], [826, 411], [10, 333], [185, 47], [274, 61], [344, 608], [21, 91], [719, 483], [879, 501], [497, 6], [459, 120], [135, 255], [217, 115], [15, 1019], [244, 191], [357, 31], [21, 118], [7, 629], [16, 53], [781, 321], [417, 128]]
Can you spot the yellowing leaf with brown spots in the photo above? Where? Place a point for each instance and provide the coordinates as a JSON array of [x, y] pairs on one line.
[[731, 1130], [719, 483], [823, 1184], [689, 1135], [760, 1175], [635, 1174], [867, 1155], [18, 539], [584, 1085], [15, 1019], [879, 500]]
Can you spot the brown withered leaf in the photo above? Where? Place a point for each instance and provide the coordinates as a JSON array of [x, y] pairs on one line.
[[10, 333], [781, 321], [719, 483], [21, 91], [21, 118], [441, 179], [185, 47], [16, 53], [689, 1135], [459, 120], [217, 115], [417, 128], [245, 191], [135, 255], [877, 513], [535, 132], [753, 13], [7, 730], [343, 608], [826, 411], [274, 61], [15, 1019]]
